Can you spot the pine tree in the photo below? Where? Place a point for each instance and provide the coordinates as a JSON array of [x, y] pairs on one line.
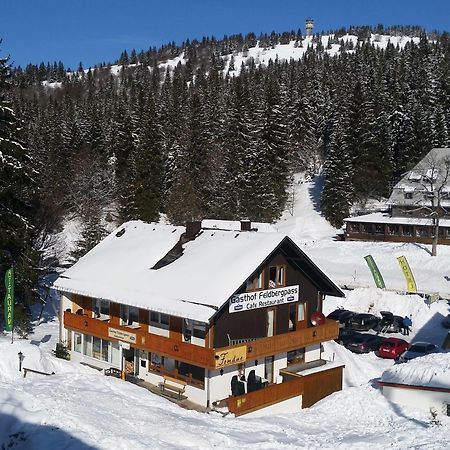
[[18, 200]]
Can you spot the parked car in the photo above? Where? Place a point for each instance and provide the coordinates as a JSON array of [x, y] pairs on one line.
[[344, 318], [446, 322], [392, 348], [345, 335], [390, 323], [416, 350], [334, 315], [363, 343], [363, 322]]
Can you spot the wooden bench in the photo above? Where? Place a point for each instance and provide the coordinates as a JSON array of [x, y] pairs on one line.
[[166, 386]]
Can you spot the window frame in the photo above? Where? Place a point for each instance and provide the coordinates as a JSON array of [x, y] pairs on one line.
[[279, 268], [256, 282]]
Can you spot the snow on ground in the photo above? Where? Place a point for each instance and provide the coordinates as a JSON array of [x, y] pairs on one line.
[[344, 261], [79, 408]]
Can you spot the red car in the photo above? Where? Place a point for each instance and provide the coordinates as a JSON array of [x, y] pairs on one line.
[[392, 348]]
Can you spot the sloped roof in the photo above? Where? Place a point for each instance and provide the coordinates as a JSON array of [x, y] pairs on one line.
[[210, 270], [419, 181], [429, 371]]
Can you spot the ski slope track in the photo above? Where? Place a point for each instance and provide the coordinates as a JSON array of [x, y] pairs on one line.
[[79, 408]]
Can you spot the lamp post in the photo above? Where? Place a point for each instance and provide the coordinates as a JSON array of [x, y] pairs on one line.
[[21, 356]]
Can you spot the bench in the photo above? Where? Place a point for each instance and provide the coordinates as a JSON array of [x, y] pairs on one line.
[[166, 386], [26, 370]]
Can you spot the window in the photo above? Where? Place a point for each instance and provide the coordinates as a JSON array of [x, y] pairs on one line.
[[156, 361], [300, 312], [189, 370], [292, 316], [96, 347], [199, 330], [296, 356], [277, 276], [101, 309], [407, 230], [408, 195], [77, 342], [354, 227], [158, 319], [257, 282], [87, 349], [129, 315], [115, 353], [367, 228], [379, 228]]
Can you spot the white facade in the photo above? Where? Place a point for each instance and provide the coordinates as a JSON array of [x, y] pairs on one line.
[[425, 400]]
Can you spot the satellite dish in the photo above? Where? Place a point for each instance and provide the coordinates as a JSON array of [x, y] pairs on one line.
[[317, 318]]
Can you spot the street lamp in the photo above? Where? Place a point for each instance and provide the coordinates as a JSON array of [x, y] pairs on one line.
[[21, 356]]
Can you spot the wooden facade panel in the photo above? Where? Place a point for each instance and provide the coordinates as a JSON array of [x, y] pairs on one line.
[[202, 356], [319, 385], [114, 312], [253, 324], [192, 354], [176, 328], [290, 341], [275, 393]]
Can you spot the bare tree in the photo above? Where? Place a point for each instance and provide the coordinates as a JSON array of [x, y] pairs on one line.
[[435, 187]]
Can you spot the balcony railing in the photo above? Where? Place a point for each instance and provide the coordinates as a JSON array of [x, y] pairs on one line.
[[274, 393], [201, 356]]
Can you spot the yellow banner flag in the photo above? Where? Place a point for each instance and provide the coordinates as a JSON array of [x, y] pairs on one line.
[[409, 277]]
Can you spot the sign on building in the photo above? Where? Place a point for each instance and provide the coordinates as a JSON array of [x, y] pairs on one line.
[[263, 299], [122, 335], [229, 357]]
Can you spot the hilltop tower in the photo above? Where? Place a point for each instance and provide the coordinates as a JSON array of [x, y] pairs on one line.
[[309, 25]]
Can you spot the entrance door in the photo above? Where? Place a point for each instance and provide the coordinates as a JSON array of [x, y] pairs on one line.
[[270, 322], [268, 368], [129, 361]]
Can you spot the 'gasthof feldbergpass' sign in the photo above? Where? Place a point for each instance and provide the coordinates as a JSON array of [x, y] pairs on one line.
[[263, 299], [122, 335]]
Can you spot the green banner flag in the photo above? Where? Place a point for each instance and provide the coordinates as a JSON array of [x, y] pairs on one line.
[[409, 277], [9, 299], [379, 282]]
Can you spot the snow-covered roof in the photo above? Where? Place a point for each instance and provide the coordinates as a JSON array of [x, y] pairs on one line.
[[428, 175], [211, 269], [386, 218], [235, 225], [429, 371]]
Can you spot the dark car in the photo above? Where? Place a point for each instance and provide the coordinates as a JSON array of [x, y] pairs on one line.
[[416, 350], [392, 348], [363, 343], [446, 322], [390, 323], [342, 315], [363, 322], [345, 335]]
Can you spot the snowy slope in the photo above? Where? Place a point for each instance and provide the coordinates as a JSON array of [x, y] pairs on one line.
[[344, 261]]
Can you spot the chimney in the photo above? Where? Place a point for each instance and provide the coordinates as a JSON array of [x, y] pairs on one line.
[[246, 225], [192, 229]]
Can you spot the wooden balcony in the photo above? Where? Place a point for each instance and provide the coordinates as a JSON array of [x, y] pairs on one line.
[[201, 356], [177, 349], [274, 393], [289, 341], [312, 387]]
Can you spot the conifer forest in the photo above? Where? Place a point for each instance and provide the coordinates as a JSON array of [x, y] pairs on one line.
[[205, 139]]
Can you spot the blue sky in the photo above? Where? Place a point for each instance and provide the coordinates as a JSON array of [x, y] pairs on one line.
[[93, 31]]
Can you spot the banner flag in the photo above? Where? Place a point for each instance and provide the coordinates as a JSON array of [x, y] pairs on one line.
[[379, 282], [409, 277], [9, 299]]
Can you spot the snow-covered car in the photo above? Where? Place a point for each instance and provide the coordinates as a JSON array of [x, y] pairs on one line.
[[446, 322], [390, 323], [363, 343], [416, 350], [363, 322], [392, 348]]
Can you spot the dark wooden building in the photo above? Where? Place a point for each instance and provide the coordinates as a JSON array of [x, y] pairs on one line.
[[220, 317]]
